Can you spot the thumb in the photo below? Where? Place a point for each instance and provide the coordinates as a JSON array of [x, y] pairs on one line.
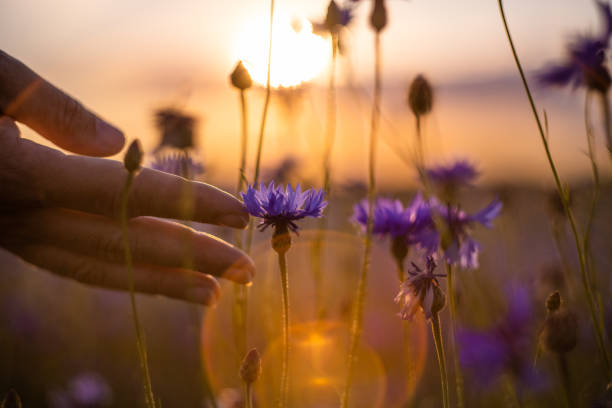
[[31, 100]]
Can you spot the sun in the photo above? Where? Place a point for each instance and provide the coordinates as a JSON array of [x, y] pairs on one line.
[[298, 55]]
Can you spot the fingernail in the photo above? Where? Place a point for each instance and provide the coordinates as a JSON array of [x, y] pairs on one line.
[[109, 137], [240, 274], [205, 296], [234, 220]]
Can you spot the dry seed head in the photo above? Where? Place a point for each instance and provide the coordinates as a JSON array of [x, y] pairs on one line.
[[333, 17], [420, 96], [378, 18]]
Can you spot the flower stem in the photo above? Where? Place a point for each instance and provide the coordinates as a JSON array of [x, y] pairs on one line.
[[330, 135], [437, 336], [453, 327], [599, 331], [239, 310], [565, 378], [605, 107], [140, 343], [248, 396], [262, 126], [357, 323], [284, 391]]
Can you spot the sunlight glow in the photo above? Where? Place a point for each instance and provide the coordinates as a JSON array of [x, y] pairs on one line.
[[298, 55]]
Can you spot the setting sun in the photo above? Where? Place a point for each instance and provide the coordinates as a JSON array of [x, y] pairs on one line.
[[298, 55]]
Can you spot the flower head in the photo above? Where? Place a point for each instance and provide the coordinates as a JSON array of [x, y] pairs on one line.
[[421, 291], [412, 223], [453, 176], [281, 207], [584, 65], [178, 164], [176, 128], [456, 242]]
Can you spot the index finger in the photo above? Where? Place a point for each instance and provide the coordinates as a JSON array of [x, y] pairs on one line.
[[94, 185]]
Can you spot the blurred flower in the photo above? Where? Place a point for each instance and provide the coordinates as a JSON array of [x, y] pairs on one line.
[[176, 128], [179, 164], [378, 18], [280, 207], [584, 65], [420, 96], [87, 389], [412, 224], [421, 291], [285, 172], [504, 348], [450, 178], [456, 241]]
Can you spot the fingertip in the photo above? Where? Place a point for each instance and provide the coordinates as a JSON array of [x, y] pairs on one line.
[[234, 220], [109, 138], [242, 271], [206, 295]]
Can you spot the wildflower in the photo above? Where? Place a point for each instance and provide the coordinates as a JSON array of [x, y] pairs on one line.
[[281, 207], [409, 226], [504, 348], [179, 164], [421, 291], [456, 241], [133, 157], [240, 77], [177, 128], [420, 96], [450, 178], [584, 65]]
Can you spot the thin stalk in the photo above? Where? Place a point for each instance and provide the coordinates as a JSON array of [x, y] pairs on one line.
[[262, 126], [140, 343], [599, 331], [239, 310], [437, 336], [594, 200], [248, 396], [284, 391], [357, 323], [565, 378], [450, 278], [330, 135]]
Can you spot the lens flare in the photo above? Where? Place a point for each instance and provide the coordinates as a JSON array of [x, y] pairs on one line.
[[298, 55]]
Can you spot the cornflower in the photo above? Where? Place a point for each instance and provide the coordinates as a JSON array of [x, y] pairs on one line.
[[280, 208]]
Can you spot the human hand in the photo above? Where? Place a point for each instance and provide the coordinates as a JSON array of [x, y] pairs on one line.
[[59, 212]]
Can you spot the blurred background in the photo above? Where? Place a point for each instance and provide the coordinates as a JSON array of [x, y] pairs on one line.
[[66, 345]]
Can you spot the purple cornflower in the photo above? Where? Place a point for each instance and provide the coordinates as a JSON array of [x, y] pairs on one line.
[[505, 347], [456, 241], [421, 291], [178, 164], [584, 65], [412, 225], [449, 178], [280, 207]]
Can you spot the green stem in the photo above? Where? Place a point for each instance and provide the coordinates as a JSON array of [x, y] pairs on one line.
[[262, 126], [357, 323], [450, 276], [284, 391], [140, 344], [330, 135], [437, 336], [599, 332], [248, 396], [565, 378], [605, 107]]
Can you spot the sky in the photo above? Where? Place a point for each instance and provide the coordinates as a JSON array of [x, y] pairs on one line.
[[124, 59]]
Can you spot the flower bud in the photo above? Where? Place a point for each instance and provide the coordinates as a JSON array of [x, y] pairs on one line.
[[378, 18], [240, 77], [560, 331], [133, 157], [333, 18], [420, 96], [250, 369]]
